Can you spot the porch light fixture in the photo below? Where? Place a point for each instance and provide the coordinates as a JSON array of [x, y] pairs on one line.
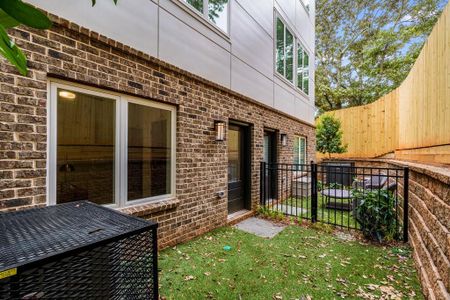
[[219, 126], [283, 139]]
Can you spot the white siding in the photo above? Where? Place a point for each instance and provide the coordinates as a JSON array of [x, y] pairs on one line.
[[284, 97], [261, 11], [251, 43], [242, 60], [133, 23], [303, 110], [192, 51], [304, 27], [251, 83]]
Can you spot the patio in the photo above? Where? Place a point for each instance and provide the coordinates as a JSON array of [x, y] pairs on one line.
[[298, 263]]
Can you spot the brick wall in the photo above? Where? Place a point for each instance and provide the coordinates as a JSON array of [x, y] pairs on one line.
[[429, 231], [429, 223], [72, 53]]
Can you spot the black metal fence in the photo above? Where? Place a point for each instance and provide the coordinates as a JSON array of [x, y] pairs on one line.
[[340, 194]]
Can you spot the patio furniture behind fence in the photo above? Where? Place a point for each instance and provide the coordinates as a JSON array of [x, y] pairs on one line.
[[331, 193], [77, 250], [344, 196]]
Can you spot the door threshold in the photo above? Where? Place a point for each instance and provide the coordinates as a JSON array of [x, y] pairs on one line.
[[238, 216]]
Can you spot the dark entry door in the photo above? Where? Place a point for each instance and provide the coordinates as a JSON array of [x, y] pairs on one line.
[[270, 157], [237, 175]]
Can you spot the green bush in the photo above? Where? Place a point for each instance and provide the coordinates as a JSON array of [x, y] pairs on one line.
[[270, 213], [329, 135], [376, 213], [333, 185]]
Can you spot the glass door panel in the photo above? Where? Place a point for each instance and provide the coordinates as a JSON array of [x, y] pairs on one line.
[[237, 178], [234, 156]]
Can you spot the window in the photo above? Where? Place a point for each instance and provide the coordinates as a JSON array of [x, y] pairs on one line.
[[215, 11], [285, 54], [300, 150], [108, 148], [302, 69], [284, 51]]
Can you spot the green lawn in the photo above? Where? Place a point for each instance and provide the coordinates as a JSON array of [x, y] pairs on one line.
[[332, 216], [297, 263]]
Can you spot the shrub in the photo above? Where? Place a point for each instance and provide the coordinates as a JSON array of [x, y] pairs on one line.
[[270, 213], [375, 211], [333, 185], [329, 135]]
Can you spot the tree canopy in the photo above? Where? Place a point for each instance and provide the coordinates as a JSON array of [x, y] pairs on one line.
[[365, 48]]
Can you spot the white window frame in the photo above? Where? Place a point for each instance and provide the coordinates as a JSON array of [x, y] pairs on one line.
[[300, 137], [294, 49], [204, 15], [121, 142], [297, 43]]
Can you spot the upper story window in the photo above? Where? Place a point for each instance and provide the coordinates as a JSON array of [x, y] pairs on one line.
[[109, 148], [294, 68], [215, 11], [302, 69], [284, 51]]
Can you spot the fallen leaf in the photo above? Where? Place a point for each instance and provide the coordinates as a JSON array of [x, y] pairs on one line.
[[277, 297]]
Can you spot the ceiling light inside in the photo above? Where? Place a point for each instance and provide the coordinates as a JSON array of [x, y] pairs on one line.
[[67, 95]]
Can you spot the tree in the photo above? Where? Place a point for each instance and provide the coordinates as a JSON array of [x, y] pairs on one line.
[[329, 135], [14, 13], [365, 48]]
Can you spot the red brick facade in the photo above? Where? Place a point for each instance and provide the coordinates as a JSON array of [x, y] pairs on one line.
[[76, 54]]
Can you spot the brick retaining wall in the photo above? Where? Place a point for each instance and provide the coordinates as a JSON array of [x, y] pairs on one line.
[[429, 223]]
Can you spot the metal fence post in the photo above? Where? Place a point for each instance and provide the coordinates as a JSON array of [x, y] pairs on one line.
[[261, 183], [313, 192], [405, 203]]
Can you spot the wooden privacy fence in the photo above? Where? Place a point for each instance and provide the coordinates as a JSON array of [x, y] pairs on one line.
[[413, 121]]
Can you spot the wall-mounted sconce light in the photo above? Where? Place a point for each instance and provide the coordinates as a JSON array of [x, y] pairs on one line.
[[220, 130], [283, 139]]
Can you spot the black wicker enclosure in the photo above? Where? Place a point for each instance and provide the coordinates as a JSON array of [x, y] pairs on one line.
[[77, 250]]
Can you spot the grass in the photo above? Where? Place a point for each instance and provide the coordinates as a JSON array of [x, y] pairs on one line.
[[297, 264], [332, 216]]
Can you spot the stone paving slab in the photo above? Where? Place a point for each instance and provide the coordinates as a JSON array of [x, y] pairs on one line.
[[260, 227]]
